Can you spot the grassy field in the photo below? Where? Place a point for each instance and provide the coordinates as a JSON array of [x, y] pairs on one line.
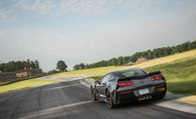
[[25, 84], [180, 75]]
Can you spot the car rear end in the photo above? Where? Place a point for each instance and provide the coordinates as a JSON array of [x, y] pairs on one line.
[[137, 88]]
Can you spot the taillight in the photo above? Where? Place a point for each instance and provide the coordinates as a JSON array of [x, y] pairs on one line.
[[123, 84], [130, 83], [157, 77]]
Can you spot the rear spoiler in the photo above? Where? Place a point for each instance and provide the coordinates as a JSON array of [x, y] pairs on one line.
[[140, 77]]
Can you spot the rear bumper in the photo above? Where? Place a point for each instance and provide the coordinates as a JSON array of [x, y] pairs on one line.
[[134, 95]]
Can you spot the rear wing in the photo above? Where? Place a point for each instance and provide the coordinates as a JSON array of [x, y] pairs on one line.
[[140, 77]]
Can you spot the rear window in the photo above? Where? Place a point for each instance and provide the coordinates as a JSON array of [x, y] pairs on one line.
[[133, 72]]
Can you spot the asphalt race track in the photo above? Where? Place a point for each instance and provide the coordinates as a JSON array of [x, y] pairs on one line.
[[71, 100]]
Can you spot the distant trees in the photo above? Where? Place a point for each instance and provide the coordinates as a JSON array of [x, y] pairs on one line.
[[149, 54], [33, 65], [61, 65], [12, 66], [53, 72], [113, 61], [37, 64], [80, 66]]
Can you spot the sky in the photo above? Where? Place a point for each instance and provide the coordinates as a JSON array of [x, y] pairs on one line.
[[87, 31]]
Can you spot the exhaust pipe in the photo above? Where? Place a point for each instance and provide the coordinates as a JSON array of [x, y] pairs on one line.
[[146, 97], [139, 98], [143, 98]]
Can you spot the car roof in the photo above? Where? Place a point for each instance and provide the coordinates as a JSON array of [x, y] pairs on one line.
[[118, 72]]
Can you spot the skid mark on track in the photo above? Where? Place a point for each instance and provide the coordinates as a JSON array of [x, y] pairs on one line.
[[55, 109], [38, 101], [18, 103]]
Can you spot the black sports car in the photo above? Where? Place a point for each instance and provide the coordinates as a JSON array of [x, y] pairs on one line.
[[129, 85]]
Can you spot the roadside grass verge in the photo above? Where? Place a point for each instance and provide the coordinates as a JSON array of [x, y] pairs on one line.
[[25, 84], [180, 75], [17, 80], [2, 83]]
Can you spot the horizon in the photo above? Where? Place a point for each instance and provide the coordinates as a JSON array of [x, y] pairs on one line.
[[89, 31], [104, 59]]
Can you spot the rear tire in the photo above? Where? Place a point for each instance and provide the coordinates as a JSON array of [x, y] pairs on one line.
[[110, 103]]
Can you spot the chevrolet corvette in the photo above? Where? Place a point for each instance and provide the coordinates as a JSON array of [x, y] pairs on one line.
[[129, 85]]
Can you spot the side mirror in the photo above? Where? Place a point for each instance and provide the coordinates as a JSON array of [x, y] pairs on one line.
[[98, 81]]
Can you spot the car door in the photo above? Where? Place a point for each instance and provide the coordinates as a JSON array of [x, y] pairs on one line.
[[102, 86]]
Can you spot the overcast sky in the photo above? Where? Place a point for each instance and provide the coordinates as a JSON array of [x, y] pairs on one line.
[[91, 30]]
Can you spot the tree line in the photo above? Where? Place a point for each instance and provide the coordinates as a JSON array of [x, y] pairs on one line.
[[12, 66], [60, 66], [148, 54]]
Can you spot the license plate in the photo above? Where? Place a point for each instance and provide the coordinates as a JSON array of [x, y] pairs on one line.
[[143, 91]]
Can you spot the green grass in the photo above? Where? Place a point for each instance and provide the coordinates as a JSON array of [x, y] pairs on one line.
[[180, 75], [25, 84], [1, 83], [97, 77], [16, 80]]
